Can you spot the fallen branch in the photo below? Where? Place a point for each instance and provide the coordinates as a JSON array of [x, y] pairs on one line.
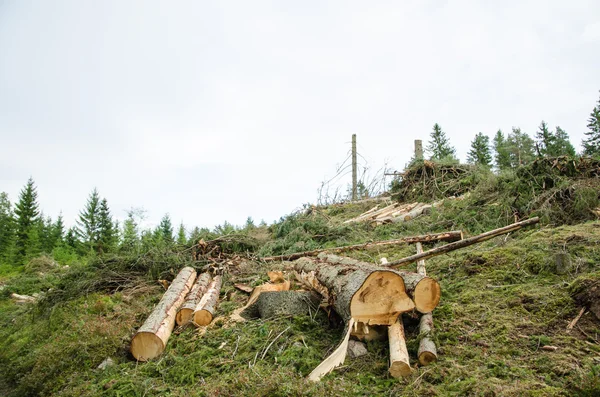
[[464, 243], [576, 319], [454, 235]]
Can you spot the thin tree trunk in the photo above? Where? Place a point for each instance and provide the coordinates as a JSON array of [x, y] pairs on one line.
[[399, 362]]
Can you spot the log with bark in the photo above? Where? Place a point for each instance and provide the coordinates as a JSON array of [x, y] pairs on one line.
[[184, 314], [205, 310], [399, 362], [287, 303], [151, 339], [451, 236], [427, 349], [424, 291], [464, 243]]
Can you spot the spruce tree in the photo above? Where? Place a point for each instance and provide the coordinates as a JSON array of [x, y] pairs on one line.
[[181, 239], [546, 141], [130, 241], [502, 155], [7, 227], [106, 240], [591, 142], [520, 148], [27, 212], [165, 229], [58, 231], [71, 238], [480, 153], [439, 145], [563, 145], [88, 225], [194, 236]]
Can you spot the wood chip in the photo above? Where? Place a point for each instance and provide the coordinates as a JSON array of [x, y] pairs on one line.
[[549, 348], [243, 287]]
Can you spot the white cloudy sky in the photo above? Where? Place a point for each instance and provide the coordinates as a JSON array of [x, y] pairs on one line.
[[216, 111]]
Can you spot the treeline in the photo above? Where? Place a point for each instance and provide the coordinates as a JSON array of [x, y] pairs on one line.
[[517, 148], [25, 232]]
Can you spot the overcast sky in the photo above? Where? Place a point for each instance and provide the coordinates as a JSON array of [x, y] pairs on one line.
[[216, 111]]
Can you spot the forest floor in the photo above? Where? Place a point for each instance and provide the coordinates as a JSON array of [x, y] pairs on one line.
[[502, 301]]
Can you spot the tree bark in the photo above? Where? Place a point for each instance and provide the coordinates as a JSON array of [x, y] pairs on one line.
[[399, 363], [287, 303], [363, 293], [464, 243], [424, 291], [205, 310], [454, 235], [151, 339], [427, 349], [184, 314]]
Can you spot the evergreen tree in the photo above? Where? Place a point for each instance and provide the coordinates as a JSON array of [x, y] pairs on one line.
[[194, 236], [563, 144], [7, 227], [88, 225], [546, 141], [27, 212], [107, 234], [71, 238], [591, 143], [42, 236], [439, 146], [130, 241], [165, 229], [502, 155], [181, 239], [480, 153], [58, 231], [520, 148]]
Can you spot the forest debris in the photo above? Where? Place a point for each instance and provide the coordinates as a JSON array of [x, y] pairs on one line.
[[23, 298], [549, 348], [465, 243], [276, 276], [164, 283], [243, 287], [357, 349], [335, 359], [576, 319], [451, 236]]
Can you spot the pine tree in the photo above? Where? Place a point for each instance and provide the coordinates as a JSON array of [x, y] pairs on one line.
[[520, 148], [58, 231], [591, 143], [480, 153], [130, 241], [502, 155], [27, 212], [7, 227], [563, 144], [88, 225], [439, 146], [546, 141], [181, 239], [106, 233], [71, 238], [194, 236], [165, 229]]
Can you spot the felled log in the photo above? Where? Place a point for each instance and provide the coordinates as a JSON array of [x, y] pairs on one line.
[[23, 298], [363, 293], [424, 291], [287, 303], [464, 243], [454, 235], [205, 310], [151, 339], [184, 314], [427, 349], [399, 363]]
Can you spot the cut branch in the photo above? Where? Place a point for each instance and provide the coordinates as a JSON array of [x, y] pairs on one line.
[[464, 243], [151, 339], [399, 363], [454, 235]]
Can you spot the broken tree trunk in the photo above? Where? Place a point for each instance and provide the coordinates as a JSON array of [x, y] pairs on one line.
[[454, 235], [464, 243], [363, 293], [184, 314], [287, 303], [427, 349], [205, 310], [151, 339], [399, 363], [424, 291]]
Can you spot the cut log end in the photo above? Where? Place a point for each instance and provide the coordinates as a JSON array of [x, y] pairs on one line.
[[426, 358], [427, 295], [184, 316], [371, 304], [400, 369], [203, 317], [146, 346]]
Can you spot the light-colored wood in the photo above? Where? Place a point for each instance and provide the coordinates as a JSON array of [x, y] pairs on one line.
[[184, 314], [23, 298], [464, 243], [364, 332], [151, 339], [205, 310], [399, 362], [576, 319], [454, 235], [427, 350], [364, 293], [421, 262], [335, 359]]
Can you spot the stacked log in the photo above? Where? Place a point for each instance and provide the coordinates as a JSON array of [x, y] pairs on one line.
[[185, 313], [205, 310]]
